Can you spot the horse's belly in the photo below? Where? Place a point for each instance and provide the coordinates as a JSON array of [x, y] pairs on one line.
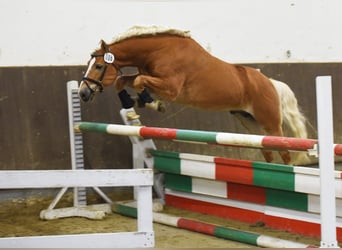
[[214, 93], [214, 104]]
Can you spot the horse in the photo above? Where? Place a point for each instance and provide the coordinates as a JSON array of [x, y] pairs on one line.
[[172, 65]]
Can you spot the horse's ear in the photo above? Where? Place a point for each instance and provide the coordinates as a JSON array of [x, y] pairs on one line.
[[104, 46]]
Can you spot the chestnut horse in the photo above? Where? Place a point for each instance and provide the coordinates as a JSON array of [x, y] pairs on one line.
[[175, 67]]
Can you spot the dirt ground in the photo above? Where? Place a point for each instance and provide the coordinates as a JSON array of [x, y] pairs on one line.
[[20, 217]]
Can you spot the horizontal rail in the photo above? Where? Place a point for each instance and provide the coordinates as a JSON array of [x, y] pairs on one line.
[[206, 137], [75, 178], [98, 240]]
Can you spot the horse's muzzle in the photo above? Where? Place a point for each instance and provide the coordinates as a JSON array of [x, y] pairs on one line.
[[85, 93]]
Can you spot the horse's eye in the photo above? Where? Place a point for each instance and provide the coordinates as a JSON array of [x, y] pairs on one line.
[[98, 66]]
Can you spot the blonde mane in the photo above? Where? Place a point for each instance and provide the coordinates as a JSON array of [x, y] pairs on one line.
[[136, 31]]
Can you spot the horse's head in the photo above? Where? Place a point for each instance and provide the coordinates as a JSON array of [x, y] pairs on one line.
[[101, 72]]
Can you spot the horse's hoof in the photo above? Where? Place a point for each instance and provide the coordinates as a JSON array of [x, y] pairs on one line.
[[152, 105], [157, 106], [131, 115], [161, 106]]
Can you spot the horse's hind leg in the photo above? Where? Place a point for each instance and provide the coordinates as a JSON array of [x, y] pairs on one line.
[[248, 121], [271, 122], [285, 155]]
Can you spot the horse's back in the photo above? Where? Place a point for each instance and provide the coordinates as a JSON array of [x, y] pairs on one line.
[[205, 81]]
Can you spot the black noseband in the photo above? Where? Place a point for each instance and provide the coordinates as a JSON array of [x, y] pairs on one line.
[[98, 84]]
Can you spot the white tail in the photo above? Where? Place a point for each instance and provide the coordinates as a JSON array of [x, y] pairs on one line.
[[292, 118]]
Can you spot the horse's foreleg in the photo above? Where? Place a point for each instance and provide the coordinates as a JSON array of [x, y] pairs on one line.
[[127, 102], [169, 88], [125, 98], [146, 100], [157, 85]]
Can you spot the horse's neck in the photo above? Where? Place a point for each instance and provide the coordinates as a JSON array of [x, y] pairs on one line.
[[138, 52], [132, 52]]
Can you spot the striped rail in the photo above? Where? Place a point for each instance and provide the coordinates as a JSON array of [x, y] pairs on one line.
[[284, 197], [213, 230], [206, 137]]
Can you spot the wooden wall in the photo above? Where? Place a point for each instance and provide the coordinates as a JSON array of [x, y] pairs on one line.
[[34, 122]]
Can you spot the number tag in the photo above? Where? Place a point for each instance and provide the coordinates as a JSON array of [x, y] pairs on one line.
[[108, 57]]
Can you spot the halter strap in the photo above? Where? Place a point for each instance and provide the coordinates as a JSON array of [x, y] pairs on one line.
[[98, 83]]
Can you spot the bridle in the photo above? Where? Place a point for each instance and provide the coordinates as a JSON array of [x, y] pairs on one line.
[[109, 59]]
